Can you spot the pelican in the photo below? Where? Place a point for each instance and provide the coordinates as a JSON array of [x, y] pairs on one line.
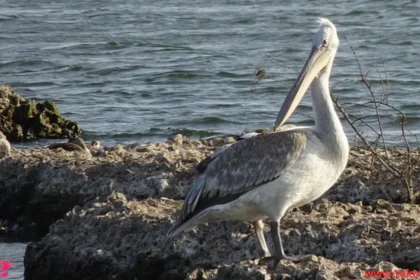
[[95, 145], [4, 146], [264, 176]]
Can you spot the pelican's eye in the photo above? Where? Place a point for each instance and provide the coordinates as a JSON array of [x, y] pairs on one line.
[[324, 43]]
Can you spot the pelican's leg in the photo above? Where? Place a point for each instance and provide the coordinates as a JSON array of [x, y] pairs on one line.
[[259, 230], [278, 246]]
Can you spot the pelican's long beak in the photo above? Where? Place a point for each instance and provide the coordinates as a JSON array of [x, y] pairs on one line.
[[317, 60]]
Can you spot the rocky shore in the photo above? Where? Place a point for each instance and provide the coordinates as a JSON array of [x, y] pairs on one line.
[[106, 217]]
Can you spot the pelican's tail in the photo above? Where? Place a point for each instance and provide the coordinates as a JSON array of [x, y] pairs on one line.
[[180, 226], [175, 229]]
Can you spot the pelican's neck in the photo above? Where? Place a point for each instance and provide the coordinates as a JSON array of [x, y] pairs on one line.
[[326, 119], [327, 124]]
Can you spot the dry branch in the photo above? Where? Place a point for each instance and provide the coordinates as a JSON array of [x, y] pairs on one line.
[[403, 172]]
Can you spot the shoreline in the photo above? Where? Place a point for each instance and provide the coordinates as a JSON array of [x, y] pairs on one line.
[[107, 217]]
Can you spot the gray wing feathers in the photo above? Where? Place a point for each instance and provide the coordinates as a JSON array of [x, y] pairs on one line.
[[196, 192], [244, 166]]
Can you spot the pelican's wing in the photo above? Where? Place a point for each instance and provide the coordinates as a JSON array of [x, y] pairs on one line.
[[202, 165], [243, 166]]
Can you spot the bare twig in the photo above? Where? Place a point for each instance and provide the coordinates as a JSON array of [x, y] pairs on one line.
[[384, 93], [403, 172], [361, 137]]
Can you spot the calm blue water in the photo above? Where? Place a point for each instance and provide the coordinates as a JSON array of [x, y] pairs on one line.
[[132, 71], [140, 71]]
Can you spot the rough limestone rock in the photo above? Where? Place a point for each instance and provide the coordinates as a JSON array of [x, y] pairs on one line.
[[22, 119], [109, 215], [118, 238], [39, 186]]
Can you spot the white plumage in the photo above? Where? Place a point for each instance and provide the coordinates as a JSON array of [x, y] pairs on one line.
[[5, 149]]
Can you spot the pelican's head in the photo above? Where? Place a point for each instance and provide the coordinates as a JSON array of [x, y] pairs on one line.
[[319, 63]]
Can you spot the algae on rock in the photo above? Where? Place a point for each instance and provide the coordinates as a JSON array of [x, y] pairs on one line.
[[22, 119]]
